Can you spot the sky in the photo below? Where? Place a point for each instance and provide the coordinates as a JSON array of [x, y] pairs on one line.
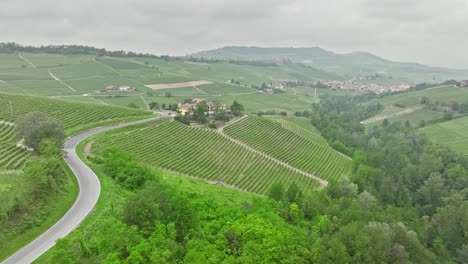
[[433, 32]]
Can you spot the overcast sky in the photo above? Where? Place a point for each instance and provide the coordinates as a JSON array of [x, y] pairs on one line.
[[433, 32]]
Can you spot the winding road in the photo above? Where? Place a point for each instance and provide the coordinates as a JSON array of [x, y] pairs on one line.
[[90, 188]]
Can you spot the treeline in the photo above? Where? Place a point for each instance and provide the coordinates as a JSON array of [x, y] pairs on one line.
[[12, 47], [239, 62]]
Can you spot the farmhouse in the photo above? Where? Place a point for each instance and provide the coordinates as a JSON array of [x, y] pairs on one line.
[[112, 88], [187, 108]]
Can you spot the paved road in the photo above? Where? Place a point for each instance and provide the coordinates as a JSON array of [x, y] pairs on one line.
[[84, 204]]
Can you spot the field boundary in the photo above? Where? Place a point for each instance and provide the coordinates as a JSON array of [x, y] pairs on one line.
[[60, 81], [26, 60]]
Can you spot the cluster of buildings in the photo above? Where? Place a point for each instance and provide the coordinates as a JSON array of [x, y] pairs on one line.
[[463, 83], [350, 85], [113, 88], [188, 108]]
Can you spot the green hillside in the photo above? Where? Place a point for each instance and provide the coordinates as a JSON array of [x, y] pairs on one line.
[[77, 74], [452, 134], [291, 142], [72, 115], [411, 107], [204, 154], [349, 64]]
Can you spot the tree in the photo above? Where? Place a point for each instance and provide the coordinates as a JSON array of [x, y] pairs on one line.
[[237, 109], [35, 127], [199, 114], [142, 209], [132, 105], [386, 123], [277, 191], [153, 106]]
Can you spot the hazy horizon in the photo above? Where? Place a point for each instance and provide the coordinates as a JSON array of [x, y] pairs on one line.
[[427, 32]]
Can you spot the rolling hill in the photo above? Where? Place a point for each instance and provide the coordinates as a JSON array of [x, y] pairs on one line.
[[349, 64], [205, 154]]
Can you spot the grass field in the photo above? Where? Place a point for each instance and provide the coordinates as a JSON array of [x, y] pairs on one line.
[[300, 147], [452, 134], [204, 154]]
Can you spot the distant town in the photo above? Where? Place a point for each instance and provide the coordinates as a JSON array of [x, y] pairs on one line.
[[352, 85]]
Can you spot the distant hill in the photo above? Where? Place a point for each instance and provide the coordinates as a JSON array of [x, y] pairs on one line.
[[349, 64]]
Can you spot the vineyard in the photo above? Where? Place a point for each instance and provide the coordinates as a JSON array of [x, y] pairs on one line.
[[290, 141], [11, 156], [451, 134], [70, 114], [205, 154]]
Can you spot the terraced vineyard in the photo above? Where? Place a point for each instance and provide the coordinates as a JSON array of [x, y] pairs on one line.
[[205, 154], [286, 140], [70, 114], [11, 156]]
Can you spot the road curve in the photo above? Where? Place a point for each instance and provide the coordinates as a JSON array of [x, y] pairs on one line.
[[90, 188]]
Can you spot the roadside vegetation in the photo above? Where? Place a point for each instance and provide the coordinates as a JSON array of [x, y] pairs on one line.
[[37, 196]]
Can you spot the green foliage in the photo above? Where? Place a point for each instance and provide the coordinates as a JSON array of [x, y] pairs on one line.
[[153, 105], [132, 105], [277, 192], [35, 127], [120, 166], [237, 109]]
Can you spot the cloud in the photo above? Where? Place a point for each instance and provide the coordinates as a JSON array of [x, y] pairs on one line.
[[428, 31]]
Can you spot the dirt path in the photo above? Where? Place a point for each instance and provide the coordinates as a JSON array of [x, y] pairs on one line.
[[17, 87], [87, 148], [294, 91], [200, 90], [26, 60], [220, 130], [60, 81], [382, 117], [145, 102]]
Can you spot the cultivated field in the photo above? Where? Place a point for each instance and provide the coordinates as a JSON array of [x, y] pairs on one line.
[[292, 143], [70, 114], [176, 85], [70, 76], [205, 154], [11, 156], [452, 134], [410, 108]]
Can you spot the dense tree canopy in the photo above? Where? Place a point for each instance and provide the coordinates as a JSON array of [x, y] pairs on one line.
[[36, 126]]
